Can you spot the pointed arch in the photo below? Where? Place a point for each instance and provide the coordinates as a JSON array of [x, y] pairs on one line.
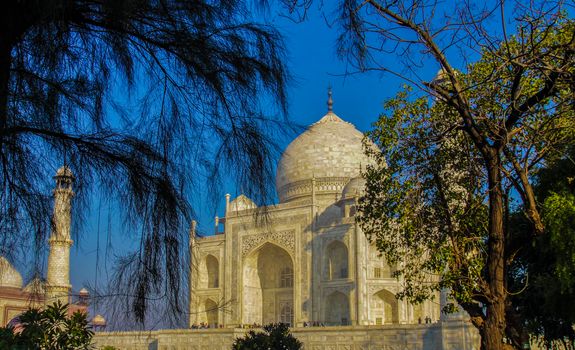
[[267, 285], [211, 309], [386, 307], [212, 271]]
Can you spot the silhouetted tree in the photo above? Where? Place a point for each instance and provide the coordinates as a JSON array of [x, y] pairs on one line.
[[200, 71]]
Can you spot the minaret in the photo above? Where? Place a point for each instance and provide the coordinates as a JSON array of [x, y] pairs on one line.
[[58, 279]]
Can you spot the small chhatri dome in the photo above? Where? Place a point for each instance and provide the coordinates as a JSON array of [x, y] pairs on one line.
[[64, 171], [9, 276], [354, 188], [84, 292], [329, 151], [64, 178], [99, 321], [242, 202], [440, 76]]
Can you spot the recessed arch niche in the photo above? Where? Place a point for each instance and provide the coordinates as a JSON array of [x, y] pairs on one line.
[[336, 265], [385, 307], [211, 310], [209, 272], [268, 286], [336, 309], [212, 271]]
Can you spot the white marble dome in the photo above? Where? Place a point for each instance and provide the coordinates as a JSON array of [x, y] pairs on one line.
[[330, 151], [9, 276]]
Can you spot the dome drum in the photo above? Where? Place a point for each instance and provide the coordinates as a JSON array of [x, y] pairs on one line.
[[325, 186]]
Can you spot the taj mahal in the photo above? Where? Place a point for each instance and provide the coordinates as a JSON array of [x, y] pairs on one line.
[[308, 262], [303, 261]]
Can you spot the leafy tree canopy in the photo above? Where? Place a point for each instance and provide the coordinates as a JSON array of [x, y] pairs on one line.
[[501, 116], [543, 271], [453, 168]]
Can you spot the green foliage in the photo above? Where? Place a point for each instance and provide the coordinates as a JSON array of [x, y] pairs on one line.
[[504, 80], [423, 197], [275, 336], [559, 218], [512, 108], [543, 276], [8, 339], [48, 329]]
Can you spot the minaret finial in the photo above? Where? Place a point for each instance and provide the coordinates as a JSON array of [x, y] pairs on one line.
[[329, 100], [58, 274]]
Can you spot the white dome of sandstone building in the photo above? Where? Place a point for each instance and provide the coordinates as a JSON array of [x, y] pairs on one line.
[[330, 152], [304, 262]]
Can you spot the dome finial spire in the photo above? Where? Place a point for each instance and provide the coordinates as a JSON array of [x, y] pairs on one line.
[[329, 100]]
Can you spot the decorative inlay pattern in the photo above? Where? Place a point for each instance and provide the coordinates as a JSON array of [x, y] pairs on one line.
[[285, 239]]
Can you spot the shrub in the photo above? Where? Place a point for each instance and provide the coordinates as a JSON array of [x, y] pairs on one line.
[[275, 336], [48, 329]]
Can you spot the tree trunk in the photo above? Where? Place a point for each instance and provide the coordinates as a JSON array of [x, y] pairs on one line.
[[493, 330]]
